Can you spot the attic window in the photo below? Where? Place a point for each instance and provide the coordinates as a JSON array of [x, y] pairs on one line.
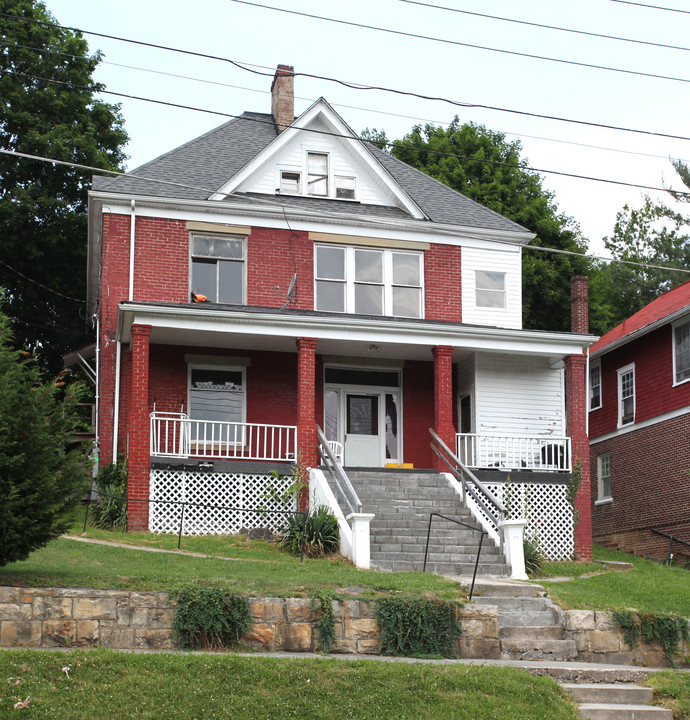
[[290, 183], [317, 174], [344, 187]]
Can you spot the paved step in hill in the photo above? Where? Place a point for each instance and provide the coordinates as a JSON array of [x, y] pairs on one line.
[[529, 625], [401, 502], [616, 701]]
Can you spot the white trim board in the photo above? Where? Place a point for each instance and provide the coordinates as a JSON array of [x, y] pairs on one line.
[[641, 425]]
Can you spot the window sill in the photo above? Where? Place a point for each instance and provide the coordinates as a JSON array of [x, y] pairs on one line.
[[604, 501]]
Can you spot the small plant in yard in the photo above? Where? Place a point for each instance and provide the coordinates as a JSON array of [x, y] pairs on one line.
[[320, 532], [109, 511], [207, 618], [664, 631], [533, 556], [327, 621]]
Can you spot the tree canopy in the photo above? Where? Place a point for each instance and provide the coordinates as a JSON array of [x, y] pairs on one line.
[[49, 108], [42, 474]]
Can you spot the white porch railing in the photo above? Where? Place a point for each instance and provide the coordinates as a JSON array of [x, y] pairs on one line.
[[176, 435], [515, 452]]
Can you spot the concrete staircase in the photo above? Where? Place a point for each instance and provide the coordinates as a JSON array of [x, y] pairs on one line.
[[401, 502], [616, 701]]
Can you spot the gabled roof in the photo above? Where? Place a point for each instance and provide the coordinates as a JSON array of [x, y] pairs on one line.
[[199, 168], [662, 310]]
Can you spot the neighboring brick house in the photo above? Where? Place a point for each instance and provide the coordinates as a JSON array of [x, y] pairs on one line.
[[639, 427], [343, 290]]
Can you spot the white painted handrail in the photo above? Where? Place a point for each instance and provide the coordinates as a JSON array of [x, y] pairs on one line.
[[515, 452]]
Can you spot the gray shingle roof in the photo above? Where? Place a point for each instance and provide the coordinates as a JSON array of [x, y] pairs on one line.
[[197, 169]]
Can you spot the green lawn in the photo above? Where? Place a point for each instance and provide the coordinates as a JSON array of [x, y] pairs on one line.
[[672, 690], [103, 685], [648, 587]]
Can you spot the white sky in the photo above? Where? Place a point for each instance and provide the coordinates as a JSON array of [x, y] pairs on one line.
[[266, 37]]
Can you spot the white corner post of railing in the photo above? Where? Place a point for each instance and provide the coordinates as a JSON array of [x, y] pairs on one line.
[[361, 550], [513, 534]]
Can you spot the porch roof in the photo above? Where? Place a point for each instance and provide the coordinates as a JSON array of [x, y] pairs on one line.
[[271, 329]]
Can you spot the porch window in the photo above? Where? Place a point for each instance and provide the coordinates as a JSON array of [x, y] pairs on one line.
[[218, 268], [604, 477], [216, 394], [626, 395], [595, 387], [490, 288], [681, 351], [369, 281]]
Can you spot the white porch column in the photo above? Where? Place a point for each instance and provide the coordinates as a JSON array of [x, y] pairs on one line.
[[361, 555], [513, 532]]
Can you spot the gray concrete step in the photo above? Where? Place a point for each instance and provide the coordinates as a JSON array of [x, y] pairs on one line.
[[621, 693], [520, 632], [527, 619], [515, 604], [535, 648], [492, 570], [613, 711]]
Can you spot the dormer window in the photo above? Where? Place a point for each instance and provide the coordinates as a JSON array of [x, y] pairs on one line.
[[290, 183], [317, 174], [344, 187]]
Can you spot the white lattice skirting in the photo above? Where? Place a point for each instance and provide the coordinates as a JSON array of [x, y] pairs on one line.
[[547, 511], [217, 503]]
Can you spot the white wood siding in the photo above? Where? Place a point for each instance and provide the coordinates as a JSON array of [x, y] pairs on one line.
[[493, 260], [518, 395]]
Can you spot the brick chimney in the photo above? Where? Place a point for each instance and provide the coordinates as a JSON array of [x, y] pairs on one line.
[[579, 304], [283, 96]]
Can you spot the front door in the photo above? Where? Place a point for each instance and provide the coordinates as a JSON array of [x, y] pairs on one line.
[[362, 439]]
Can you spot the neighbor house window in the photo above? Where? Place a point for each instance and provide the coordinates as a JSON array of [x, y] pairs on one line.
[[595, 386], [626, 395], [604, 476], [290, 183], [490, 289], [681, 351], [218, 268], [368, 281], [317, 174], [344, 187]]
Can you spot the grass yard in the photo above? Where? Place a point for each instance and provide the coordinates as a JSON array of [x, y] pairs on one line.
[[672, 690], [648, 587], [104, 684]]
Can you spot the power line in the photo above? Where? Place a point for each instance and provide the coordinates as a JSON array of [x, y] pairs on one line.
[[653, 7], [548, 27], [472, 46], [248, 67], [45, 287]]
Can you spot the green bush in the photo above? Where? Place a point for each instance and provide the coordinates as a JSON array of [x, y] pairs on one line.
[[664, 631], [417, 626], [109, 511], [533, 556], [321, 534], [206, 618]]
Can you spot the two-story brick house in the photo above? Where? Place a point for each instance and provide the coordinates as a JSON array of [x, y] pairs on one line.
[[639, 419], [276, 275]]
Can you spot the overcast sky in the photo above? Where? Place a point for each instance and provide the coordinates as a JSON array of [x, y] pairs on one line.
[[479, 75]]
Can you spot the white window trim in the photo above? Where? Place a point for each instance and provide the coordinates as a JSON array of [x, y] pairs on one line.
[[682, 321], [620, 372], [387, 283], [213, 366], [222, 236], [330, 192], [504, 292], [601, 498], [289, 171], [595, 364]]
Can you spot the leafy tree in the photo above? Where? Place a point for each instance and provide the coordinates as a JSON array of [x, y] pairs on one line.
[[48, 108], [42, 477], [483, 165]]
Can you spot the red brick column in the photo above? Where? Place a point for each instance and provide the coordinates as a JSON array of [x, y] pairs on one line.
[[139, 449], [306, 409], [443, 396]]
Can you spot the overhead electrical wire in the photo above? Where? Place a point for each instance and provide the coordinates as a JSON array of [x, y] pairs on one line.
[[458, 43], [249, 67], [45, 287], [653, 7]]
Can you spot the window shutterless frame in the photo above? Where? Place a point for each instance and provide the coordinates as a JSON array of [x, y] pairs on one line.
[[595, 399], [490, 289], [626, 395], [681, 351], [217, 267], [604, 478]]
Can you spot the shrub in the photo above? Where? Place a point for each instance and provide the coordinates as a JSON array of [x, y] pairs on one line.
[[208, 619], [533, 556], [664, 631], [109, 512], [321, 534]]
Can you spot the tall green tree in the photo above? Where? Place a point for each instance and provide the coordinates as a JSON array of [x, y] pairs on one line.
[[49, 108], [42, 475], [483, 165]]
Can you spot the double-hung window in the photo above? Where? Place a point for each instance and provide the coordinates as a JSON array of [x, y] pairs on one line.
[[681, 351], [626, 395], [317, 174], [604, 477], [369, 281], [218, 268], [594, 386], [490, 288], [216, 398]]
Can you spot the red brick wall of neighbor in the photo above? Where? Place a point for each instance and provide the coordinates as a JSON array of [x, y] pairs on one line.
[[443, 283], [649, 487], [654, 391]]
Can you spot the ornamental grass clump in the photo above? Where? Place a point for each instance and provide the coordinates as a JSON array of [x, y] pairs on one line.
[[319, 530]]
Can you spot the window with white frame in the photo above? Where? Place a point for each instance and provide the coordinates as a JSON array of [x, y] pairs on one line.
[[490, 288], [369, 281], [681, 351], [216, 393], [344, 187], [604, 476], [626, 395], [218, 268], [317, 174], [290, 183], [595, 386]]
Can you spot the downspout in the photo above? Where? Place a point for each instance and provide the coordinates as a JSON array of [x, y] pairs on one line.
[[587, 389], [132, 228], [97, 424]]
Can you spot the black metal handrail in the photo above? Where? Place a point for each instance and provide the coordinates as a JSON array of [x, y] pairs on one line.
[[336, 471], [671, 540], [457, 522], [185, 503], [494, 509]]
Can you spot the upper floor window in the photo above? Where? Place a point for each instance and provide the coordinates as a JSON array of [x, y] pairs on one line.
[[490, 289], [681, 351], [218, 268], [368, 281], [626, 395], [594, 386], [290, 183], [344, 187], [604, 477], [317, 174]]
